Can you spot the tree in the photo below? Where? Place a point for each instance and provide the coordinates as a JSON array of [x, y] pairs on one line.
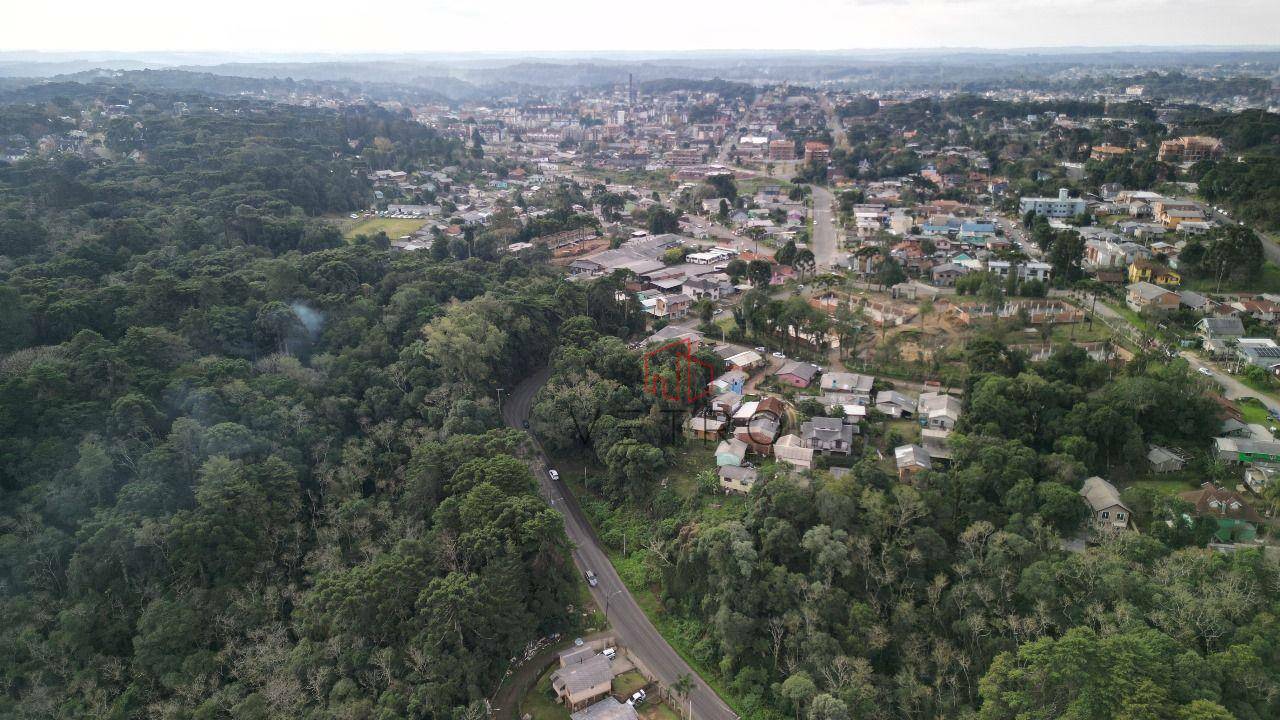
[[804, 262], [786, 254], [760, 273]]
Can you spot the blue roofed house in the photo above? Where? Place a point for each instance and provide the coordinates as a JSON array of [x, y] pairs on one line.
[[977, 230]]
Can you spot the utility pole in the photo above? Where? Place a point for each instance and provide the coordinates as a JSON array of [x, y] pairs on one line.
[[500, 402]]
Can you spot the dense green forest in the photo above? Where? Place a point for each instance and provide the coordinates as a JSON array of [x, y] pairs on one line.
[[242, 472]]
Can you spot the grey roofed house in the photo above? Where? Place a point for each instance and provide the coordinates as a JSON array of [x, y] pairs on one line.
[[891, 402], [1164, 460], [912, 456], [803, 370], [1232, 427], [827, 435], [734, 478], [1194, 300], [1214, 328], [847, 382], [1105, 503], [582, 676], [607, 709], [936, 442]]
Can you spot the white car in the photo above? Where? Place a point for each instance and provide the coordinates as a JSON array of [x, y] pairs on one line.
[[553, 474], [779, 354], [1205, 371], [637, 698]]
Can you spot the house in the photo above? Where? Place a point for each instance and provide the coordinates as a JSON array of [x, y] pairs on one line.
[[828, 435], [582, 679], [737, 479], [895, 404], [730, 452], [790, 449], [938, 410], [702, 288], [946, 274], [936, 442], [726, 403], [1245, 450], [732, 381], [1236, 520], [745, 360], [1262, 352], [1164, 460], [1108, 511], [672, 306], [607, 709], [1149, 271], [911, 461], [1216, 331], [796, 374], [853, 384], [1141, 296], [704, 428]]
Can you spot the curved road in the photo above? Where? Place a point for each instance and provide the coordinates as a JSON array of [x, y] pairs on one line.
[[629, 623]]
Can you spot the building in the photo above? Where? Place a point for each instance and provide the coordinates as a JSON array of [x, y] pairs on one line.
[[730, 453], [737, 479], [1149, 271], [858, 387], [1143, 295], [1109, 513], [1164, 460], [797, 374], [1245, 450], [1107, 152], [782, 150], [828, 435], [938, 410], [1262, 352], [791, 450], [1192, 148], [704, 428], [584, 677], [911, 461], [1063, 206], [1236, 520], [607, 709], [817, 152], [895, 404]]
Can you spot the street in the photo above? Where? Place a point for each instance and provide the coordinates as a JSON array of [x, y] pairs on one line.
[[824, 228], [628, 621]]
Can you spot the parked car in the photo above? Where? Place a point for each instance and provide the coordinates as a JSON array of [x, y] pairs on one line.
[[637, 698], [779, 354], [1205, 371], [609, 652], [592, 580], [553, 474], [762, 350]]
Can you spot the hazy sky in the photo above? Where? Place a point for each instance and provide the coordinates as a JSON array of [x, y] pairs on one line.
[[577, 25]]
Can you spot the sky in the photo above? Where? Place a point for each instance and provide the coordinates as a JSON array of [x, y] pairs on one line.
[[329, 26]]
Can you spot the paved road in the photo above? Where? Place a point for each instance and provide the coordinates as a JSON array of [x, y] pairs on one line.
[[824, 228], [838, 133], [628, 621]]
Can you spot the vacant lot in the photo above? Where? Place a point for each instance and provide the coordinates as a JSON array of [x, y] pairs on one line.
[[393, 227]]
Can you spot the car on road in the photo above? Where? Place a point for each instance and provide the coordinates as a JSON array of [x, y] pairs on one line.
[[525, 424], [637, 698], [592, 580], [553, 474], [1205, 371]]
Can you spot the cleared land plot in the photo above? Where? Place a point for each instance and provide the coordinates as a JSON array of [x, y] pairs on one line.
[[393, 227]]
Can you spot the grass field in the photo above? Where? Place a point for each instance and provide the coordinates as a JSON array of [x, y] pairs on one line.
[[1253, 411], [628, 682], [394, 227], [1165, 487]]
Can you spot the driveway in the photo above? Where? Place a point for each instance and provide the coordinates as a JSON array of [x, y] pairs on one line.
[[627, 621]]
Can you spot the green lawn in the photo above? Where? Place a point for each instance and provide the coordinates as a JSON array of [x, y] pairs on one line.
[[395, 228], [540, 703], [1253, 411], [1166, 486], [628, 682]]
